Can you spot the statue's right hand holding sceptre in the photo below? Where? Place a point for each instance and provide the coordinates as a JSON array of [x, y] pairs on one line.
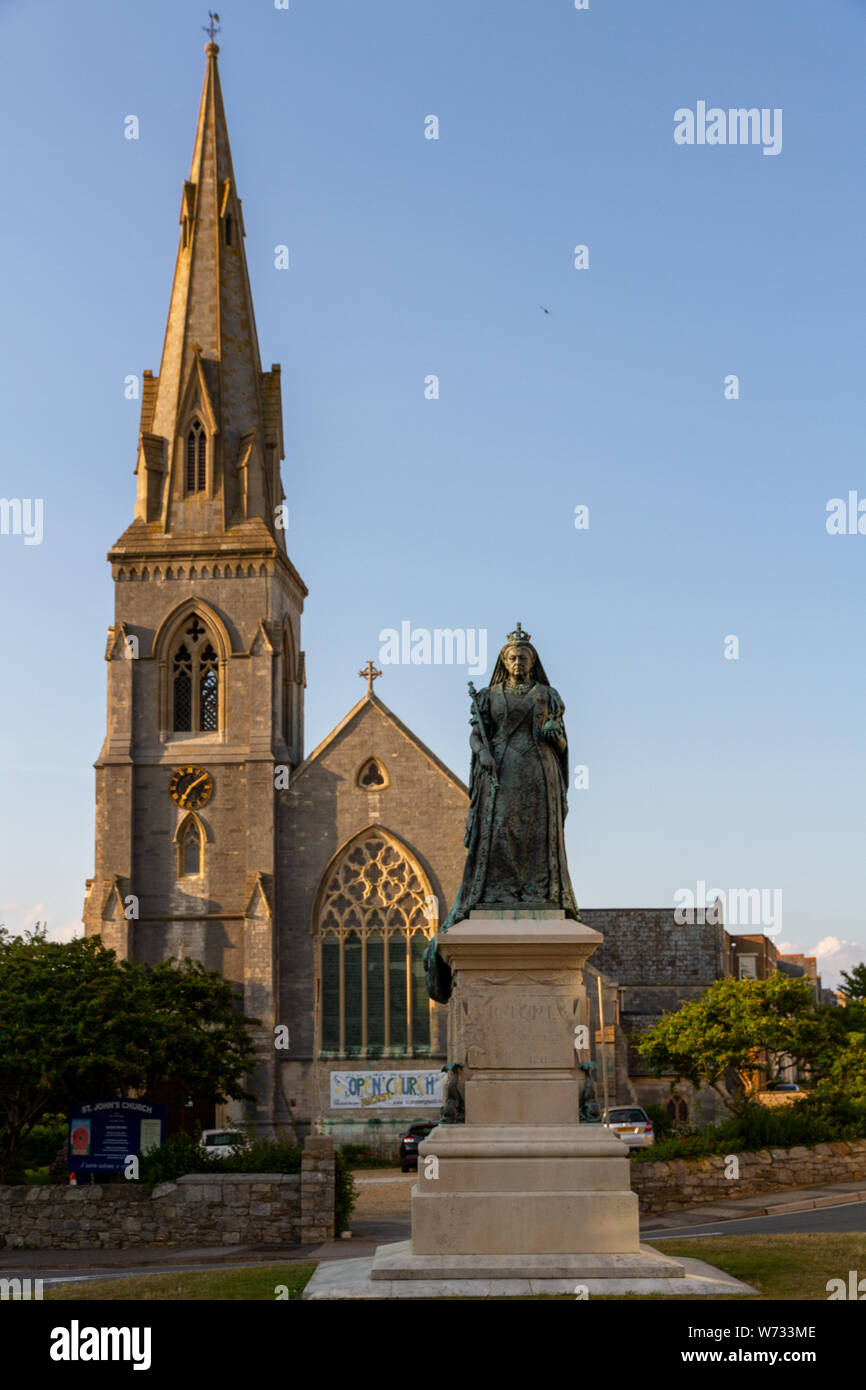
[[485, 758]]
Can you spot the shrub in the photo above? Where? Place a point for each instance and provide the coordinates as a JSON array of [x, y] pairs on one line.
[[57, 1169], [809, 1121], [37, 1149], [262, 1156], [661, 1121], [179, 1155], [361, 1156], [345, 1195], [42, 1143]]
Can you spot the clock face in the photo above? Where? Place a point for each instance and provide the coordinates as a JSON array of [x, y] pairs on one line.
[[191, 788]]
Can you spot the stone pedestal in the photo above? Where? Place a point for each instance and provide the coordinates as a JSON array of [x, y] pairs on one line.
[[522, 1189]]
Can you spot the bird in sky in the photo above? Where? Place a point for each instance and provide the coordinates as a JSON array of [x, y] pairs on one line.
[[542, 308]]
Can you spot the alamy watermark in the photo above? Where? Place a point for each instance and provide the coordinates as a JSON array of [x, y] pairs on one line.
[[18, 1289], [735, 126], [846, 518], [854, 1289], [22, 516], [77, 1343], [443, 646], [734, 907]]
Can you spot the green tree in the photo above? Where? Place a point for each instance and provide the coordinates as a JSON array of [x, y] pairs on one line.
[[739, 1030], [854, 983], [845, 1077], [79, 1024]]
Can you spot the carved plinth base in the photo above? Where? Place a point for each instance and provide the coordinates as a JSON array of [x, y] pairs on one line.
[[523, 1189], [522, 1186]]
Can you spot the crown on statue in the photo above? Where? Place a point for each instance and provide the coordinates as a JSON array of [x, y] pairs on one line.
[[518, 635]]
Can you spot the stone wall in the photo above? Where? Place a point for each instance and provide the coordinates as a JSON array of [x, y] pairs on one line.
[[317, 1191], [671, 1185], [199, 1209]]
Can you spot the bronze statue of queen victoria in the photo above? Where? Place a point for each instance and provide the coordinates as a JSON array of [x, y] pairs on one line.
[[518, 779]]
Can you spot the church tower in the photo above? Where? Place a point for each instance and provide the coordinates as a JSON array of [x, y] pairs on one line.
[[205, 670]]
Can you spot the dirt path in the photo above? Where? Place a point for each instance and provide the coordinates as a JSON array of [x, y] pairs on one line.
[[383, 1192]]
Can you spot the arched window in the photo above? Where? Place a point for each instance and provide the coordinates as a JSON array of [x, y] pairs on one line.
[[678, 1110], [374, 923], [196, 444], [190, 849], [195, 681]]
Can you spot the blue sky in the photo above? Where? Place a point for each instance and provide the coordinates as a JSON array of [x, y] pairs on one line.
[[412, 257]]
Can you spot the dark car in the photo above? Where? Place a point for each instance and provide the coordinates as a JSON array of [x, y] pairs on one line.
[[410, 1141]]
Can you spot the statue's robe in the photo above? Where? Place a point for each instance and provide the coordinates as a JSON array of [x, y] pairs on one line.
[[514, 831]]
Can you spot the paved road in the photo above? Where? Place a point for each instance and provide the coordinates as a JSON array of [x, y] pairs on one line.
[[849, 1217]]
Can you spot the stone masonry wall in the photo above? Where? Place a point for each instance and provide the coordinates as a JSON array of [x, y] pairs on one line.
[[317, 1191], [199, 1209], [687, 1182]]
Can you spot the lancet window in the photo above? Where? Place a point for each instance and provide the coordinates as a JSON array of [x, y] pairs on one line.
[[196, 457], [195, 681]]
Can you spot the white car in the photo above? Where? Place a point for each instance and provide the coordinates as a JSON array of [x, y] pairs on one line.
[[222, 1143], [632, 1125]]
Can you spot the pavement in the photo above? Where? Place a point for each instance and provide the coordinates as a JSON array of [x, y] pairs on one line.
[[78, 1266], [792, 1199], [383, 1219]]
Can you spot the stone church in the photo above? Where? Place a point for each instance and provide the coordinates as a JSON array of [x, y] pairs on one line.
[[312, 881]]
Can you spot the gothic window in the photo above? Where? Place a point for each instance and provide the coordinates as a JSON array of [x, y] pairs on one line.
[[373, 927], [195, 681], [196, 444], [189, 849], [372, 775], [228, 230]]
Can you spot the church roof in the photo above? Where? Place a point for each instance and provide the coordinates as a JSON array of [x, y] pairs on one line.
[[353, 716]]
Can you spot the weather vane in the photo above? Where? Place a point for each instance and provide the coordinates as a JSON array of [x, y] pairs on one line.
[[214, 26]]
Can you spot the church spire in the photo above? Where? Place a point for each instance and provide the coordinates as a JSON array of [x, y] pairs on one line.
[[211, 422]]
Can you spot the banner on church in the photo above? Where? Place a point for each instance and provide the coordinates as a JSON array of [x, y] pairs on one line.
[[385, 1089]]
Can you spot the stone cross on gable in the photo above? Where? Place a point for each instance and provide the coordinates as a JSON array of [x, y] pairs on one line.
[[370, 674]]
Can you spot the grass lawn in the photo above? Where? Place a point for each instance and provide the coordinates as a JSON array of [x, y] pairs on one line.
[[789, 1267], [256, 1284], [781, 1266]]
